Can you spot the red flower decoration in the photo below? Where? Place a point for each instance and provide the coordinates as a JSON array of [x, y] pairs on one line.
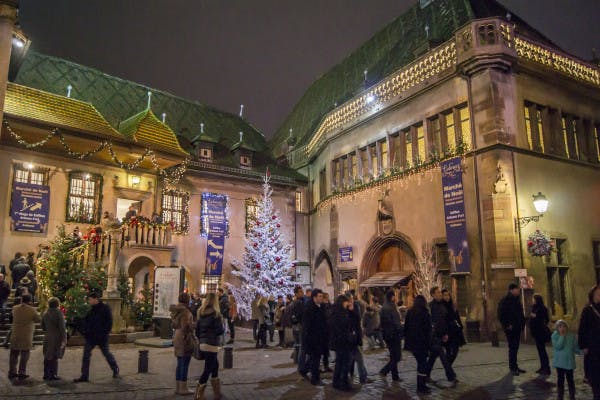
[[279, 226], [255, 244], [529, 243], [257, 265], [277, 259], [274, 217]]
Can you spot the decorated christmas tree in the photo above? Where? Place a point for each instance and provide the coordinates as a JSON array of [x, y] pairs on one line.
[[62, 274], [266, 264]]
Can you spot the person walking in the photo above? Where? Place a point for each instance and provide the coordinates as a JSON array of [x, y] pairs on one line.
[[314, 336], [224, 307], [456, 336], [55, 339], [272, 303], [326, 305], [564, 346], [4, 294], [538, 325], [391, 328], [233, 314], [297, 310], [18, 271], [357, 355], [439, 336], [254, 315], [96, 327], [510, 315], [21, 337], [264, 323], [341, 340], [209, 329], [183, 343], [277, 320], [33, 284], [589, 332], [417, 339]]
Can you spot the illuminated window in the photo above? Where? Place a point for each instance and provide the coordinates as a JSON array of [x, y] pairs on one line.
[[84, 198], [337, 176], [436, 136], [322, 184], [597, 141], [354, 166], [421, 144], [465, 128], [540, 129], [27, 173], [205, 154], [298, 201], [384, 155], [364, 159], [409, 152], [397, 146], [528, 128], [575, 139], [175, 206], [374, 163], [245, 161], [533, 127], [450, 132], [559, 293], [252, 210], [565, 136]]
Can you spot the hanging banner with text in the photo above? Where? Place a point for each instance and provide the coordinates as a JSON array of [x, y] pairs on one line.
[[30, 207], [454, 215], [214, 227], [346, 254]]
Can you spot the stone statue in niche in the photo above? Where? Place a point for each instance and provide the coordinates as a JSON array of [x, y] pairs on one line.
[[385, 214], [501, 185]]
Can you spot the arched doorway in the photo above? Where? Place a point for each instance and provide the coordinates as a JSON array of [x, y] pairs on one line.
[[323, 278], [141, 274], [388, 262]]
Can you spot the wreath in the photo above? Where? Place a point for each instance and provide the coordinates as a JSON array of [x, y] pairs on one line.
[[539, 244]]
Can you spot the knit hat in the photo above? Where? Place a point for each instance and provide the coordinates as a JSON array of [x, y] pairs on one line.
[[513, 286]]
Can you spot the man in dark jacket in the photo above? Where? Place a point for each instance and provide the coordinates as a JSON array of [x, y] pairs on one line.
[[510, 315], [391, 328], [417, 339], [4, 293], [439, 336], [314, 335], [19, 270], [224, 307], [342, 340], [96, 327], [297, 310]]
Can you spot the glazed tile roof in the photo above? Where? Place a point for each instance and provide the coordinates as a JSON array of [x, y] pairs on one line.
[[36, 105], [144, 128], [390, 49]]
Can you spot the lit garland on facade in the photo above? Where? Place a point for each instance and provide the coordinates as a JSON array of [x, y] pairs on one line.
[[170, 177]]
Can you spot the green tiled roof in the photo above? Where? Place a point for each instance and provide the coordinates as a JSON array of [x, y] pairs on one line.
[[393, 47], [118, 100]]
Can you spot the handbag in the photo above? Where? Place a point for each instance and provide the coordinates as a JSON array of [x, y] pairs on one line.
[[196, 352]]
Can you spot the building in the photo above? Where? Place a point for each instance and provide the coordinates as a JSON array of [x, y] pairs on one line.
[[448, 79], [98, 144]]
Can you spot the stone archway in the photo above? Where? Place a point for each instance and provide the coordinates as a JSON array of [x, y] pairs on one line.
[[141, 273], [324, 277]]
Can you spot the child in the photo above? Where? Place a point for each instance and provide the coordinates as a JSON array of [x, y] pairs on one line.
[[565, 346]]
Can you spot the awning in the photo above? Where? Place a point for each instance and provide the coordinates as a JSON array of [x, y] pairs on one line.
[[384, 279]]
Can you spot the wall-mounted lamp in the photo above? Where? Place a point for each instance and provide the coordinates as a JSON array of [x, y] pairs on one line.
[[29, 166], [135, 181], [540, 202]]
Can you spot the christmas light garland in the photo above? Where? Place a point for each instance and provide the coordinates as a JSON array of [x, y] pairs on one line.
[[24, 143]]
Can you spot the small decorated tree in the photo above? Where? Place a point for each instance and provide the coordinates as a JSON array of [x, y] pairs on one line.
[[266, 264], [426, 271]]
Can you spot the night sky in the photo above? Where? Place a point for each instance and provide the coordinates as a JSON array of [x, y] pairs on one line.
[[262, 53]]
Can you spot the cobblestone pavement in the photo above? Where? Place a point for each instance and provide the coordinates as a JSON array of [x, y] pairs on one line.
[[269, 374]]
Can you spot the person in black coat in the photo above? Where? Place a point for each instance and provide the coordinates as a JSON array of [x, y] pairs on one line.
[[439, 335], [538, 324], [417, 339], [391, 328], [510, 315], [314, 335], [456, 337], [589, 332], [96, 328], [342, 340]]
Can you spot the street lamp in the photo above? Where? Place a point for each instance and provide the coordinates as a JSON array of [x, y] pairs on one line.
[[540, 202]]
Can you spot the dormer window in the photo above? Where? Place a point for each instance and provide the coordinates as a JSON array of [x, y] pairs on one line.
[[205, 154], [245, 161]]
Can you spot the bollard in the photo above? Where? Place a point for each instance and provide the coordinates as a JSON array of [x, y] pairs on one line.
[[143, 362], [228, 357], [495, 341]]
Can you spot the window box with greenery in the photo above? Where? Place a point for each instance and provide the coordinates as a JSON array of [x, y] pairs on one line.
[[175, 210], [84, 198]]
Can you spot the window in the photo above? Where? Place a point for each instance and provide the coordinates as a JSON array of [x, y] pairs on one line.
[[384, 155], [442, 258], [252, 210], [409, 152], [422, 153], [575, 138], [353, 166], [533, 127], [558, 280], [450, 132], [83, 202], [565, 136], [364, 159], [245, 161], [205, 154], [373, 152], [597, 141], [27, 173], [336, 181], [397, 150], [596, 245], [465, 128], [436, 136], [322, 183], [298, 201], [175, 205]]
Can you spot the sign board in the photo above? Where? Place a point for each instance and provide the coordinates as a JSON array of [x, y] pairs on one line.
[[520, 273], [346, 254], [508, 265], [214, 221], [29, 207], [454, 216], [526, 282], [167, 283]]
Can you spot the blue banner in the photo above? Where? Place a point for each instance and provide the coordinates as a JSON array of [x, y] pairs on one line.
[[30, 207], [214, 226], [454, 215], [346, 254]]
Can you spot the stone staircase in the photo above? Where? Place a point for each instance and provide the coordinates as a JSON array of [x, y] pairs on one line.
[[5, 323]]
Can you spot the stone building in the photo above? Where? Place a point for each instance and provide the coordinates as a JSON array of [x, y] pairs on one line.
[[99, 144], [447, 79]]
